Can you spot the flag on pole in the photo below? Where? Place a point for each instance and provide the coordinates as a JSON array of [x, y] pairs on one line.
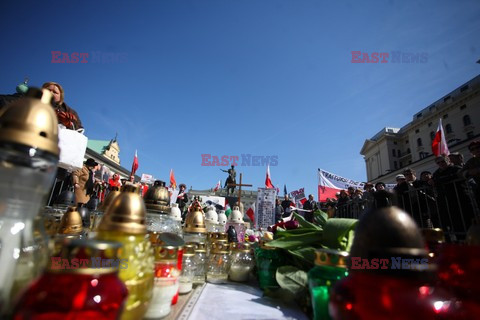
[[251, 212], [268, 181], [228, 210], [439, 144], [134, 164], [285, 190], [173, 182], [217, 186]]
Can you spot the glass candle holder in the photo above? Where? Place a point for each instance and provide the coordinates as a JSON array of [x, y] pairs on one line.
[[330, 266], [81, 283], [188, 269], [200, 261], [242, 262], [268, 260], [165, 283], [218, 263]]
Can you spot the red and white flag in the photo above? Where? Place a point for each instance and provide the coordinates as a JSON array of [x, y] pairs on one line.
[[173, 182], [217, 186], [439, 144], [268, 181], [251, 212], [134, 164]]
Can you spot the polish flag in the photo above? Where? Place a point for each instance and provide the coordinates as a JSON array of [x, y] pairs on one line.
[[134, 164], [439, 144], [268, 181], [217, 186], [173, 182], [251, 212]]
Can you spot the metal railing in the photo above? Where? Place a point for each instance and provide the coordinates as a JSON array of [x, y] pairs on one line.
[[451, 206]]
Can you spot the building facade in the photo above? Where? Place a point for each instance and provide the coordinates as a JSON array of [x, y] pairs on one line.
[[391, 150]]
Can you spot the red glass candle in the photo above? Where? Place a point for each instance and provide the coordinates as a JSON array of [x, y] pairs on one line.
[[364, 295], [76, 290]]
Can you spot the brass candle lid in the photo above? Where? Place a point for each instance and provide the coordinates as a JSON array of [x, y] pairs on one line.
[[189, 250], [199, 246], [239, 247], [71, 222], [332, 258], [126, 213], [166, 253], [157, 198], [214, 236], [108, 200], [31, 122], [195, 222], [433, 235], [220, 247]]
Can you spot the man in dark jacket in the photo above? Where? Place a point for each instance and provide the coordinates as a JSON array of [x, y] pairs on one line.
[[311, 205]]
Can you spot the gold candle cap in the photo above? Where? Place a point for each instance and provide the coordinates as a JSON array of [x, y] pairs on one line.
[[239, 247], [329, 257], [214, 236], [199, 246], [31, 121], [189, 250], [169, 239], [433, 235], [87, 257], [157, 198], [220, 247], [126, 213], [108, 200], [166, 253], [195, 222], [71, 222]]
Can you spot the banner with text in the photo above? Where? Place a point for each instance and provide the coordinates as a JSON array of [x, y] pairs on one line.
[[298, 196], [329, 184], [265, 205]]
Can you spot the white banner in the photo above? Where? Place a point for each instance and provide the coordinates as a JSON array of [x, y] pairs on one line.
[[147, 178], [213, 200], [265, 205]]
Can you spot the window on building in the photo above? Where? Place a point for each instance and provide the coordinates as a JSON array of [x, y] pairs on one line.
[[463, 107], [417, 131], [419, 115], [445, 116], [470, 134], [464, 88], [446, 98], [466, 120], [429, 124], [419, 142], [406, 142], [394, 153], [408, 151], [401, 164], [432, 135], [395, 142], [409, 161], [395, 165], [431, 107], [399, 153], [448, 128]]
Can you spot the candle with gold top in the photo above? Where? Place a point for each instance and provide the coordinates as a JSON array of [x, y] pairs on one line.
[[28, 163], [242, 261], [218, 262], [124, 221], [195, 229]]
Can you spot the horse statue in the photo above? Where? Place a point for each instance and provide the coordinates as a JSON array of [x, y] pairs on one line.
[[230, 180]]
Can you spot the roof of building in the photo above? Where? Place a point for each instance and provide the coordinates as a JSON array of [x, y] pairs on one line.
[[98, 146]]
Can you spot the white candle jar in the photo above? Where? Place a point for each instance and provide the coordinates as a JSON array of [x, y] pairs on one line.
[[242, 262], [188, 269], [218, 263]]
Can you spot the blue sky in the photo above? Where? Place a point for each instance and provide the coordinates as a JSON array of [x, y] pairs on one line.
[[260, 77]]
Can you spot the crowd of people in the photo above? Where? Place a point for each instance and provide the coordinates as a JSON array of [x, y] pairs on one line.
[[448, 198]]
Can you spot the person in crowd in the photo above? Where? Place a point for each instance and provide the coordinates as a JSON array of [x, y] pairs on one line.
[[456, 159], [83, 182], [343, 204], [367, 196], [286, 204], [402, 199], [278, 210], [65, 114], [351, 192], [382, 197], [455, 207], [331, 207], [472, 169], [357, 203], [114, 183], [419, 208], [182, 199], [310, 205]]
